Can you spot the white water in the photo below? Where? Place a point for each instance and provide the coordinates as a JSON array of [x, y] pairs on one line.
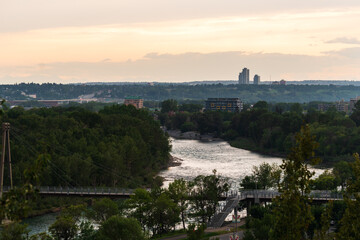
[[200, 158]]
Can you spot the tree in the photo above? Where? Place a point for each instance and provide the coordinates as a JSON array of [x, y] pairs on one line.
[[64, 228], [261, 105], [67, 224], [195, 231], [343, 172], [14, 231], [120, 228], [355, 116], [164, 212], [103, 209], [350, 223], [169, 105], [205, 195], [326, 181], [264, 176], [292, 212], [179, 193], [140, 202]]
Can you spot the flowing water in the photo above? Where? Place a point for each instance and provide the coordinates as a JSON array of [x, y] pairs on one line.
[[201, 158]]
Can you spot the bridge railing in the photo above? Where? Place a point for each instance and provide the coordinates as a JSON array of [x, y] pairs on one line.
[[85, 190]]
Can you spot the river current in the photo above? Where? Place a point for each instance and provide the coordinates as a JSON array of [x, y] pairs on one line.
[[201, 158]]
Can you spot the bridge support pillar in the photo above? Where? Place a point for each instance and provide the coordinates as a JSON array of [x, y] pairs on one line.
[[248, 207]]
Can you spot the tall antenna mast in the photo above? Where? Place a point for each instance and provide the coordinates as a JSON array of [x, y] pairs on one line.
[[5, 139]]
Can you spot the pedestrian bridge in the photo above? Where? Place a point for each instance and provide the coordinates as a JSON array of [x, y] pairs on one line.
[[262, 196], [255, 196]]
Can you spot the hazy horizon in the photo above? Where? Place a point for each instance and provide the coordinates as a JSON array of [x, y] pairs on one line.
[[177, 41]]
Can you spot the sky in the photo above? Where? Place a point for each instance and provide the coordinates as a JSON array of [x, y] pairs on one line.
[[71, 41]]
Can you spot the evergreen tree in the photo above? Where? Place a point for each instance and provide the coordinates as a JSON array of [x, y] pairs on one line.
[[292, 213]]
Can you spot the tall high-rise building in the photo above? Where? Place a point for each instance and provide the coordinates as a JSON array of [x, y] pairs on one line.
[[256, 79], [244, 76]]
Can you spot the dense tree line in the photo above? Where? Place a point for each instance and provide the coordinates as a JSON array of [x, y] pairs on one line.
[[248, 93], [270, 128], [292, 214], [146, 213], [117, 146]]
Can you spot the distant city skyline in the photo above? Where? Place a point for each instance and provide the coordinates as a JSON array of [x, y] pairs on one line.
[[177, 41]]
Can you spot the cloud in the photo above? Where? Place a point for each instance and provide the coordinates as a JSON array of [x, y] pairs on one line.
[[194, 66], [344, 40], [353, 53], [19, 15]]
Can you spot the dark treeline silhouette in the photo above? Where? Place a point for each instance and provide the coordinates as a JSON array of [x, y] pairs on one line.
[[248, 93], [117, 146]]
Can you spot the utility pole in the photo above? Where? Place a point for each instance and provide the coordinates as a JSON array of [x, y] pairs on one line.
[[5, 139]]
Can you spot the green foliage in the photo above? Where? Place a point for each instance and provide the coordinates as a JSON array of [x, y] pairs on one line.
[[14, 231], [323, 232], [15, 204], [68, 223], [264, 176], [179, 191], [64, 228], [261, 105], [41, 236], [190, 107], [140, 202], [326, 181], [103, 209], [162, 91], [350, 223], [195, 231], [292, 212], [169, 105], [343, 173], [259, 223], [120, 228], [86, 231], [154, 210], [118, 146], [205, 195]]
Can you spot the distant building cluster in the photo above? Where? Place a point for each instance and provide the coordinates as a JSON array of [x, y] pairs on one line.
[[281, 82], [244, 77], [137, 102], [341, 106], [224, 104]]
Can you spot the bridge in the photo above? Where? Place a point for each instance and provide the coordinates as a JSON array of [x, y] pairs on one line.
[[254, 196], [82, 191], [262, 196], [231, 198]]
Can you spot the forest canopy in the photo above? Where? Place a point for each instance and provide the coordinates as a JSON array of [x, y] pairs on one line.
[[117, 146]]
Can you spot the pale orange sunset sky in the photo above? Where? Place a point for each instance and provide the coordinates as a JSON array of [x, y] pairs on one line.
[[67, 41]]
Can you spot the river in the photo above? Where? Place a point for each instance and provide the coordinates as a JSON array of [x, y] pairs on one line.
[[198, 158], [201, 158]]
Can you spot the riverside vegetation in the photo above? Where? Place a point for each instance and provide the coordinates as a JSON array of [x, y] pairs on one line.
[[271, 128], [291, 216], [118, 146]]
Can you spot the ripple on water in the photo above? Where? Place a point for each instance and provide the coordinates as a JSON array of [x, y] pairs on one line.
[[200, 158]]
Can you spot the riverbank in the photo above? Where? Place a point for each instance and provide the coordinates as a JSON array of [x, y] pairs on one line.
[[192, 136]]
